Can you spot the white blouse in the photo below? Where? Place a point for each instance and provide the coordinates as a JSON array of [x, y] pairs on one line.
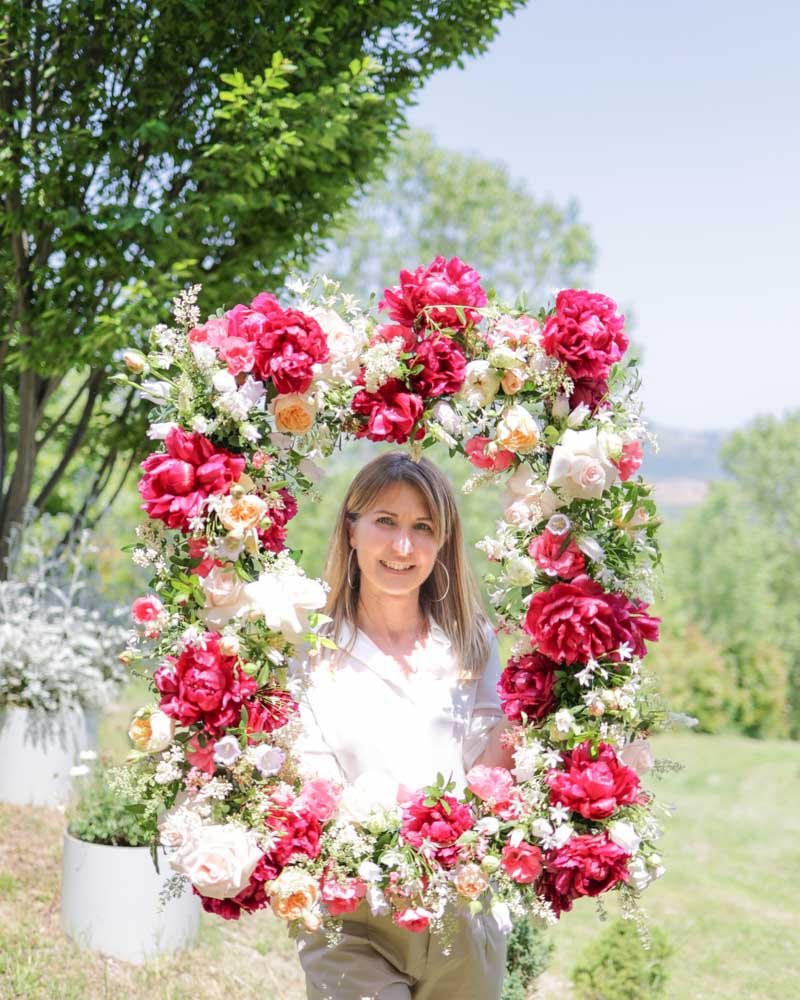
[[360, 714]]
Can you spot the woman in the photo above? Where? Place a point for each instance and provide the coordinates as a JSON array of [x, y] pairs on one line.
[[411, 692]]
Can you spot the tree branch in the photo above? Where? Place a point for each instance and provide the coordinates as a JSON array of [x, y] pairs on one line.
[[56, 422]]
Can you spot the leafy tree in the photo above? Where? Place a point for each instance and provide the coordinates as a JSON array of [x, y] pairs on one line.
[[143, 145], [435, 201]]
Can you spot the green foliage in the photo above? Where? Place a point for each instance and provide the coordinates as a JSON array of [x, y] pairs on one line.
[[103, 813], [529, 951], [434, 201], [616, 966], [143, 147]]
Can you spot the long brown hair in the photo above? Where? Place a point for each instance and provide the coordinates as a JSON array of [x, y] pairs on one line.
[[457, 609]]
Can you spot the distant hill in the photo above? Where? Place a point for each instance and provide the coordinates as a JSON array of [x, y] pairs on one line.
[[683, 467]]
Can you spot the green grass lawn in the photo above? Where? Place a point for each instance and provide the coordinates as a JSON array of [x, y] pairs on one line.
[[728, 902]]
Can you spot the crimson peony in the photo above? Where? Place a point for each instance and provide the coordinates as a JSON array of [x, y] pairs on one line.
[[439, 287], [585, 866], [287, 347], [585, 333], [392, 412], [594, 786], [526, 685]]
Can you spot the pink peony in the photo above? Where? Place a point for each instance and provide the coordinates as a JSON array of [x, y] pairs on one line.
[[341, 895], [522, 863], [573, 622], [320, 798], [442, 826], [585, 333], [392, 412], [585, 866], [630, 460], [476, 453], [176, 482], [287, 347], [443, 364], [491, 784], [429, 294], [594, 785], [412, 919], [299, 834], [526, 685], [557, 555], [202, 686]]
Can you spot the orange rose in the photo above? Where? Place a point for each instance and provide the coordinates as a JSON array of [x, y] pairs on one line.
[[471, 881], [512, 382], [293, 894], [151, 730], [293, 413], [517, 431], [238, 514]]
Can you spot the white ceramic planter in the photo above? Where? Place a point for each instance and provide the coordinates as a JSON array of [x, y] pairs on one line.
[[38, 751], [110, 902]]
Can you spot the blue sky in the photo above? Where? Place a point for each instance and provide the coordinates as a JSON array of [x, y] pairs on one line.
[[677, 128]]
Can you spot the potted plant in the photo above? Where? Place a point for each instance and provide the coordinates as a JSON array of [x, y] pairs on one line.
[[119, 896], [58, 667]]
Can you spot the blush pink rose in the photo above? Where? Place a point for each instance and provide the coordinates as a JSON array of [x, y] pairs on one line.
[[491, 784], [514, 331], [341, 895], [320, 798], [522, 863], [213, 332], [557, 555], [391, 412], [594, 785], [586, 865], [630, 460], [176, 482], [526, 686], [585, 333], [253, 897], [476, 453], [430, 294], [413, 919]]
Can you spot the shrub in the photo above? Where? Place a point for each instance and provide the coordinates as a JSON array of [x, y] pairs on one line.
[[617, 967], [102, 812], [529, 951]]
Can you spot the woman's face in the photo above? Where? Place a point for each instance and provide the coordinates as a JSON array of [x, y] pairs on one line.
[[394, 541]]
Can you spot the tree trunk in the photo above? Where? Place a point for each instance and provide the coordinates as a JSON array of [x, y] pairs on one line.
[[12, 509]]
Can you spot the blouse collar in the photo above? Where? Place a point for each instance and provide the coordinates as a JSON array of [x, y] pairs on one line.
[[365, 650]]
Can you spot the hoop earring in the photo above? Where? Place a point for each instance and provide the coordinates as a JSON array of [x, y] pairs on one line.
[[349, 561], [447, 588]]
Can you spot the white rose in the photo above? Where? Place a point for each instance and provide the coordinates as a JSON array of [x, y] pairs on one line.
[[446, 417], [345, 344], [481, 384], [578, 415], [219, 859], [284, 601], [520, 514], [520, 571], [637, 755], [204, 354], [640, 877], [154, 391], [370, 872], [178, 825], [541, 828], [223, 381], [225, 596], [624, 836], [610, 443], [580, 467], [489, 825], [371, 792]]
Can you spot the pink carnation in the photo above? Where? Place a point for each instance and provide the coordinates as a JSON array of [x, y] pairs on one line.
[[320, 798], [238, 355], [526, 686], [522, 863], [437, 288], [476, 453], [443, 365], [573, 622], [491, 784], [176, 482], [412, 919], [585, 333], [594, 785], [630, 460], [585, 866], [203, 686], [287, 346], [391, 412], [146, 609], [299, 834], [442, 826], [341, 896], [557, 555]]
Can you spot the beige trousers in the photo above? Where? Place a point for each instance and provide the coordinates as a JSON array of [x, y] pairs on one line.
[[376, 960]]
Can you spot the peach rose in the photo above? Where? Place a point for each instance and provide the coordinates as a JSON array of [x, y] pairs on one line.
[[151, 730], [239, 514], [293, 413], [517, 431], [512, 381], [638, 756], [293, 894], [471, 881]]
